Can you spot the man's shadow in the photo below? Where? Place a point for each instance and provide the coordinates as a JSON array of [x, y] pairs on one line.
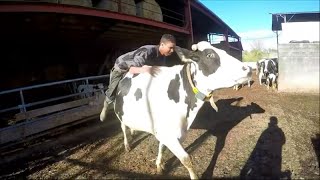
[[266, 158], [220, 123]]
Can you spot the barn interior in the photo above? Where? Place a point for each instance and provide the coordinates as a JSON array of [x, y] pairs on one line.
[[53, 42], [43, 41]]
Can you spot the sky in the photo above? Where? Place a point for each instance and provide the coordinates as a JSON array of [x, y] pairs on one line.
[[251, 19]]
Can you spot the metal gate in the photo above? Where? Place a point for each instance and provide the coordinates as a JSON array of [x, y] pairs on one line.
[[32, 117]]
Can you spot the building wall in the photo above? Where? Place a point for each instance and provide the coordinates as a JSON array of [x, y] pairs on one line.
[[299, 67], [299, 31]]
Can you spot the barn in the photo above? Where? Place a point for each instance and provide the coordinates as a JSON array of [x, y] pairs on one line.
[[298, 51], [57, 54]]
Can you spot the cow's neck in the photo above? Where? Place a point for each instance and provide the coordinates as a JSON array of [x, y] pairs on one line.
[[193, 104]]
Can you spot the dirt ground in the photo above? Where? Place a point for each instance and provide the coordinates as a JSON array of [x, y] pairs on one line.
[[257, 133]]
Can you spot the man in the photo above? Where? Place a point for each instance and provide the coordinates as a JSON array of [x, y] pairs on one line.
[[138, 61]]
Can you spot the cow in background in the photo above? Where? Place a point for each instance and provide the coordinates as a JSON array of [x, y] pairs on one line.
[[236, 87], [268, 69], [166, 104], [259, 64]]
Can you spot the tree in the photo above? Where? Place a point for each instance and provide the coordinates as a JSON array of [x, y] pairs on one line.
[[253, 55], [258, 52]]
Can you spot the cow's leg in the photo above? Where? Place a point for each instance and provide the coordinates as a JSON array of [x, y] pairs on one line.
[[249, 83], [260, 78], [132, 131], [125, 139], [268, 82], [177, 149], [159, 163], [236, 87], [273, 81]]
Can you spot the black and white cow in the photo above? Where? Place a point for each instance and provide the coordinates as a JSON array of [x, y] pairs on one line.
[[165, 105], [268, 69]]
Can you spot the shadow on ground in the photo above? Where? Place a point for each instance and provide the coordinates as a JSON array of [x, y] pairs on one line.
[[266, 158], [218, 124], [42, 152]]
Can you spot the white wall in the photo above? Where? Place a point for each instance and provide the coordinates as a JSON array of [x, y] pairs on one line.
[[299, 67], [299, 31]]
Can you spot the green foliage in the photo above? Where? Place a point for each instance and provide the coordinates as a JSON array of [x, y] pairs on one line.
[[256, 54]]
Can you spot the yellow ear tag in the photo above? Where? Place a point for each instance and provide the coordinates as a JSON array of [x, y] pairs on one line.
[[195, 90]]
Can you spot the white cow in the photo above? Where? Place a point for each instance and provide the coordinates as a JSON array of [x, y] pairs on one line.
[[167, 104], [236, 87]]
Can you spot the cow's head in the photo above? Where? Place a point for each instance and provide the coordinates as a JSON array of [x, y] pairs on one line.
[[212, 68]]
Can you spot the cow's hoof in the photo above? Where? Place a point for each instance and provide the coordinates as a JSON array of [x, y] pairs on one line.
[[193, 176], [128, 148], [160, 168]]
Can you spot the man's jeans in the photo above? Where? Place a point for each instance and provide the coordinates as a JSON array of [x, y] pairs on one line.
[[115, 77]]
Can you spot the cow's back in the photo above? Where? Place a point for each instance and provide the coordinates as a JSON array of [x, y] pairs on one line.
[[144, 102]]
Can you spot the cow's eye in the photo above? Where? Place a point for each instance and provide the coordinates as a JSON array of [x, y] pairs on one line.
[[211, 55]]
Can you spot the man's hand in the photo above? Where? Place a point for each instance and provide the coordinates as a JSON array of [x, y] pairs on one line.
[[153, 70]]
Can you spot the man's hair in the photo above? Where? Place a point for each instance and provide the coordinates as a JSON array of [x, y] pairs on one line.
[[167, 38]]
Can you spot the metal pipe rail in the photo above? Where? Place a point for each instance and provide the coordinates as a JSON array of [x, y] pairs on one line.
[[31, 123], [23, 106]]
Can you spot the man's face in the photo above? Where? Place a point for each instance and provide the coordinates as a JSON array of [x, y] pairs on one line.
[[167, 48]]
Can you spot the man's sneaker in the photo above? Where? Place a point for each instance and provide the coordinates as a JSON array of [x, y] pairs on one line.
[[104, 111]]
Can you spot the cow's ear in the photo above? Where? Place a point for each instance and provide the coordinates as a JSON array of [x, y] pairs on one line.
[[182, 53]]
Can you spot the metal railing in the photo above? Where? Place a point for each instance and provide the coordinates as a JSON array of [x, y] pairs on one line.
[[83, 90]]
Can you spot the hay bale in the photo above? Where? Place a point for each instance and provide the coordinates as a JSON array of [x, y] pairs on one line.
[[149, 9], [127, 6], [86, 3], [50, 1], [111, 5], [47, 1]]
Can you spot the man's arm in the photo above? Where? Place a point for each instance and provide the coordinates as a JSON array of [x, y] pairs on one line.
[[140, 58], [138, 70]]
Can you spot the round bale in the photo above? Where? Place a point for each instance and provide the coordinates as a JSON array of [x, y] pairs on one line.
[[127, 6], [149, 9], [86, 3]]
